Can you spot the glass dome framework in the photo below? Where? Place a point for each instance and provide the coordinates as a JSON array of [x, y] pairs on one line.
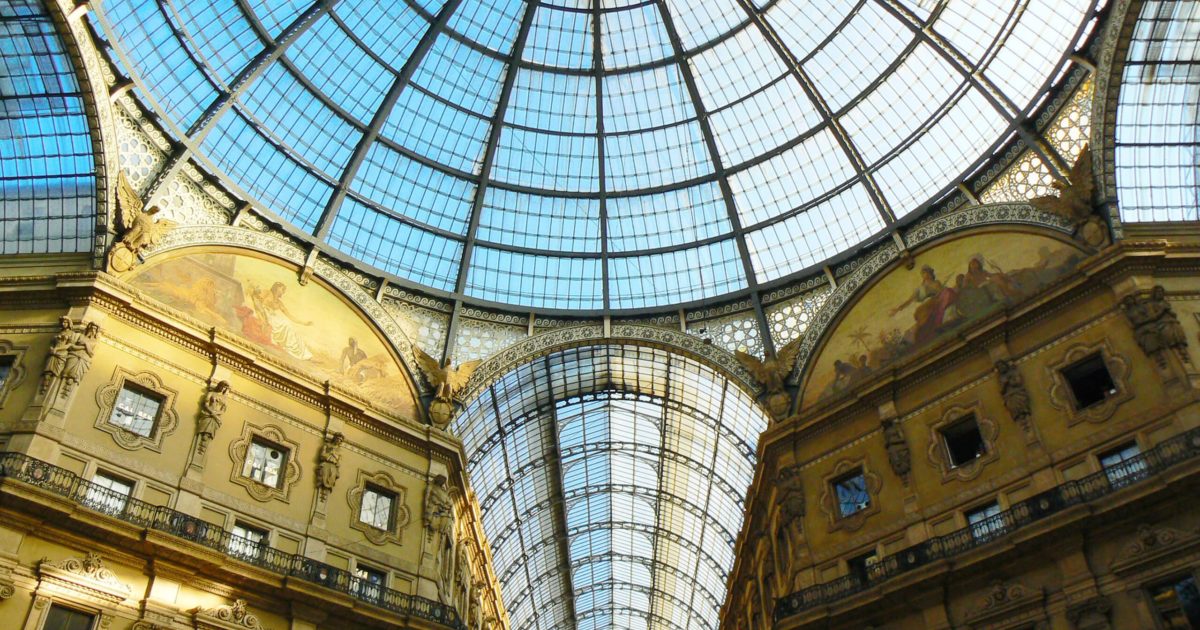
[[611, 480], [567, 156]]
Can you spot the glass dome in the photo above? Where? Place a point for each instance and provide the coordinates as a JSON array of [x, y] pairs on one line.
[[586, 155]]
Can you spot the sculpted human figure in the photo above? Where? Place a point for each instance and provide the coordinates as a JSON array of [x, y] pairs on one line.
[[328, 468], [439, 527], [212, 410], [899, 455], [789, 532], [1155, 326], [1012, 389], [79, 357], [57, 359]]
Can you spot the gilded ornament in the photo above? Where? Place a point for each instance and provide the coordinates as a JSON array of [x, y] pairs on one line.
[[771, 375], [139, 228], [448, 383], [1075, 202]]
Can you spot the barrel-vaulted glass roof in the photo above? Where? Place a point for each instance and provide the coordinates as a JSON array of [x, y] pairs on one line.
[[593, 154], [612, 483]]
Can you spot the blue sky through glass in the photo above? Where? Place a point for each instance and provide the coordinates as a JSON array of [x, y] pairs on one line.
[[572, 155]]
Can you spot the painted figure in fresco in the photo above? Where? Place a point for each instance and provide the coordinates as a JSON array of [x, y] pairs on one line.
[[79, 357], [270, 307], [932, 299], [212, 409], [58, 353]]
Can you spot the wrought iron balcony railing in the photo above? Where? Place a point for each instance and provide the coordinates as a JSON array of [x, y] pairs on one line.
[[164, 519], [1113, 478]]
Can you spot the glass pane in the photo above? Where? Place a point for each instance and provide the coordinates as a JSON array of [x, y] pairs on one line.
[[60, 618]]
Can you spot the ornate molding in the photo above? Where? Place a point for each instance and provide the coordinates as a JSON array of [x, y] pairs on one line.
[[86, 576], [291, 468], [1008, 605], [541, 344], [164, 425], [235, 616], [401, 516], [1149, 546], [1060, 391], [940, 458], [829, 501]]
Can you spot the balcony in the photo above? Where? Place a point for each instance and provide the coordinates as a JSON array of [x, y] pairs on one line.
[[97, 498], [1130, 472]]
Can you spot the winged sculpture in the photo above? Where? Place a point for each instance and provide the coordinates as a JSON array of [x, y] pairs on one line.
[[772, 373], [1074, 199], [447, 382], [137, 225]]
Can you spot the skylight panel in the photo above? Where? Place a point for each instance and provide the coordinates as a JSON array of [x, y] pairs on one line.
[[534, 281], [640, 100], [428, 126], [764, 121], [395, 246], [462, 76], [858, 55], [221, 33], [667, 219], [279, 102], [735, 68], [493, 23], [561, 39], [277, 15], [661, 157], [791, 179], [974, 28], [660, 279], [341, 69], [413, 190], [1035, 46], [699, 23], [554, 102], [390, 29], [633, 37], [551, 224], [803, 30]]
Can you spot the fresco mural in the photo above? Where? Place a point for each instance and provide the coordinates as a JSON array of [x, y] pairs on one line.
[[950, 286], [307, 327]]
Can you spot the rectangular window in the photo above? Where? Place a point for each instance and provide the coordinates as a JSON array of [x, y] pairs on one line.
[[265, 462], [370, 583], [247, 541], [1122, 465], [985, 522], [377, 507], [108, 493], [1090, 381], [6, 366], [1177, 603], [136, 410], [61, 618], [963, 441], [860, 566], [851, 492]]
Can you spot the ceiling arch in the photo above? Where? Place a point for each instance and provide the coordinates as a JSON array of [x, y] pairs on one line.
[[611, 478]]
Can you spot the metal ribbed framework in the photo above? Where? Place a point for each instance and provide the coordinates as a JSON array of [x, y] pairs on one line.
[[611, 480], [588, 155]]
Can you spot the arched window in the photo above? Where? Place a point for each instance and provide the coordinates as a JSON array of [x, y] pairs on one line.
[[47, 164]]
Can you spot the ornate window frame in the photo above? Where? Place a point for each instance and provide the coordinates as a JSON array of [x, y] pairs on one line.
[[940, 458], [1060, 390], [17, 375], [82, 583], [288, 476], [829, 502], [164, 425], [401, 515]]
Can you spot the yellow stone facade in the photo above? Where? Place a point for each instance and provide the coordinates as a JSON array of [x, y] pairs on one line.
[[163, 557]]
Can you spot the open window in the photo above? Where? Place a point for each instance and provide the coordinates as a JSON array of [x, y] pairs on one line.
[[963, 441], [1090, 381]]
